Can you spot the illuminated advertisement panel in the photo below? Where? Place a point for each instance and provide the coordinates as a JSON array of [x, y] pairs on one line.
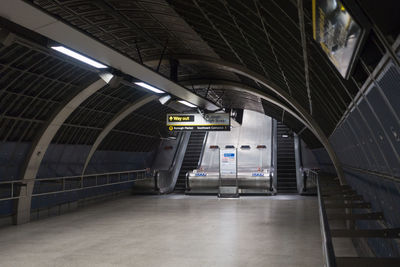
[[338, 34]]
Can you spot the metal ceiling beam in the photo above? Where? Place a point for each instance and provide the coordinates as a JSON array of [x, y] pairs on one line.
[[267, 34], [221, 35], [30, 17], [241, 70], [125, 112], [40, 145], [239, 87], [305, 56]]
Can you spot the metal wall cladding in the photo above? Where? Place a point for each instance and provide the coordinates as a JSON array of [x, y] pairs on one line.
[[389, 122], [389, 151], [389, 81], [6, 207], [358, 150], [68, 160], [12, 158], [255, 130], [323, 159], [369, 139], [361, 134], [65, 160], [308, 158], [349, 152]]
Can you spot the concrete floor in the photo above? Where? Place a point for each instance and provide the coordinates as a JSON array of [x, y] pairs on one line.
[[174, 231]]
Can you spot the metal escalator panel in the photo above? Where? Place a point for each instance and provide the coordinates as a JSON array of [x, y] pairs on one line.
[[191, 159], [286, 165]]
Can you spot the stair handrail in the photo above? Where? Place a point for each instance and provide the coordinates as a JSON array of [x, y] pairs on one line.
[[173, 162], [309, 174], [327, 245], [202, 150]]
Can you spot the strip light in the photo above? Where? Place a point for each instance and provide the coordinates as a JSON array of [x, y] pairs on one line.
[[79, 57], [149, 87], [187, 103]]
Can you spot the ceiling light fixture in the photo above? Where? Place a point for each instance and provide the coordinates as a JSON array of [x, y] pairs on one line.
[[79, 57], [149, 87], [187, 103], [164, 99]]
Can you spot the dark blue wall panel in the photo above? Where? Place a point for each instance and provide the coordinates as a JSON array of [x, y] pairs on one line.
[[66, 160], [12, 157], [367, 144]]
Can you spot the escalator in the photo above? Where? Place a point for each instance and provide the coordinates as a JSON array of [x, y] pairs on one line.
[[286, 165], [191, 159]]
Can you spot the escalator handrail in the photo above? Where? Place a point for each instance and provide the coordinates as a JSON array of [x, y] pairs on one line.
[[327, 245]]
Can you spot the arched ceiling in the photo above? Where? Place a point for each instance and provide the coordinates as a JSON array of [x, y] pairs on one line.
[[35, 82], [262, 36]]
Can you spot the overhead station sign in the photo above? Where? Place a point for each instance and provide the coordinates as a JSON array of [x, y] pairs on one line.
[[198, 122], [338, 34]]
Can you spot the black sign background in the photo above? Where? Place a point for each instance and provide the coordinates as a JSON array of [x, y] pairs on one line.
[[175, 118], [199, 128]]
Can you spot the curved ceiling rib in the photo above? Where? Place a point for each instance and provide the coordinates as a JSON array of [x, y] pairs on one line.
[[26, 15], [126, 111], [238, 69], [40, 145], [239, 87]]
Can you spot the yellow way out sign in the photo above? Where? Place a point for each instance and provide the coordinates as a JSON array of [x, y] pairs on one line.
[[180, 118], [198, 122]]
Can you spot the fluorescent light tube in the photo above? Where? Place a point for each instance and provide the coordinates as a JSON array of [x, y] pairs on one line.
[[79, 57], [149, 87], [187, 103]]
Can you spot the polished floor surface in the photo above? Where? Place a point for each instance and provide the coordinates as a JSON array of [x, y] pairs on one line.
[[172, 230]]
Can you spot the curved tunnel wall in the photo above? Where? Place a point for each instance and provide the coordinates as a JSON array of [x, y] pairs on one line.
[[34, 83], [364, 152]]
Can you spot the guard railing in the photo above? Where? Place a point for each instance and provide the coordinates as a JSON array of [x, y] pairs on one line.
[[45, 186], [327, 245]]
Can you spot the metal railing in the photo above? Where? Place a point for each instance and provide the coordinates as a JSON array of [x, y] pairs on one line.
[[46, 186], [327, 245], [309, 175], [174, 158], [202, 150]]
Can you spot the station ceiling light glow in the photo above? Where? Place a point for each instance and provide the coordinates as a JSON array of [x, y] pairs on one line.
[[164, 99], [187, 103], [149, 87], [79, 57]]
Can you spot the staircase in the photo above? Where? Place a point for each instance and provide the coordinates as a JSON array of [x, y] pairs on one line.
[[191, 159], [286, 161]]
